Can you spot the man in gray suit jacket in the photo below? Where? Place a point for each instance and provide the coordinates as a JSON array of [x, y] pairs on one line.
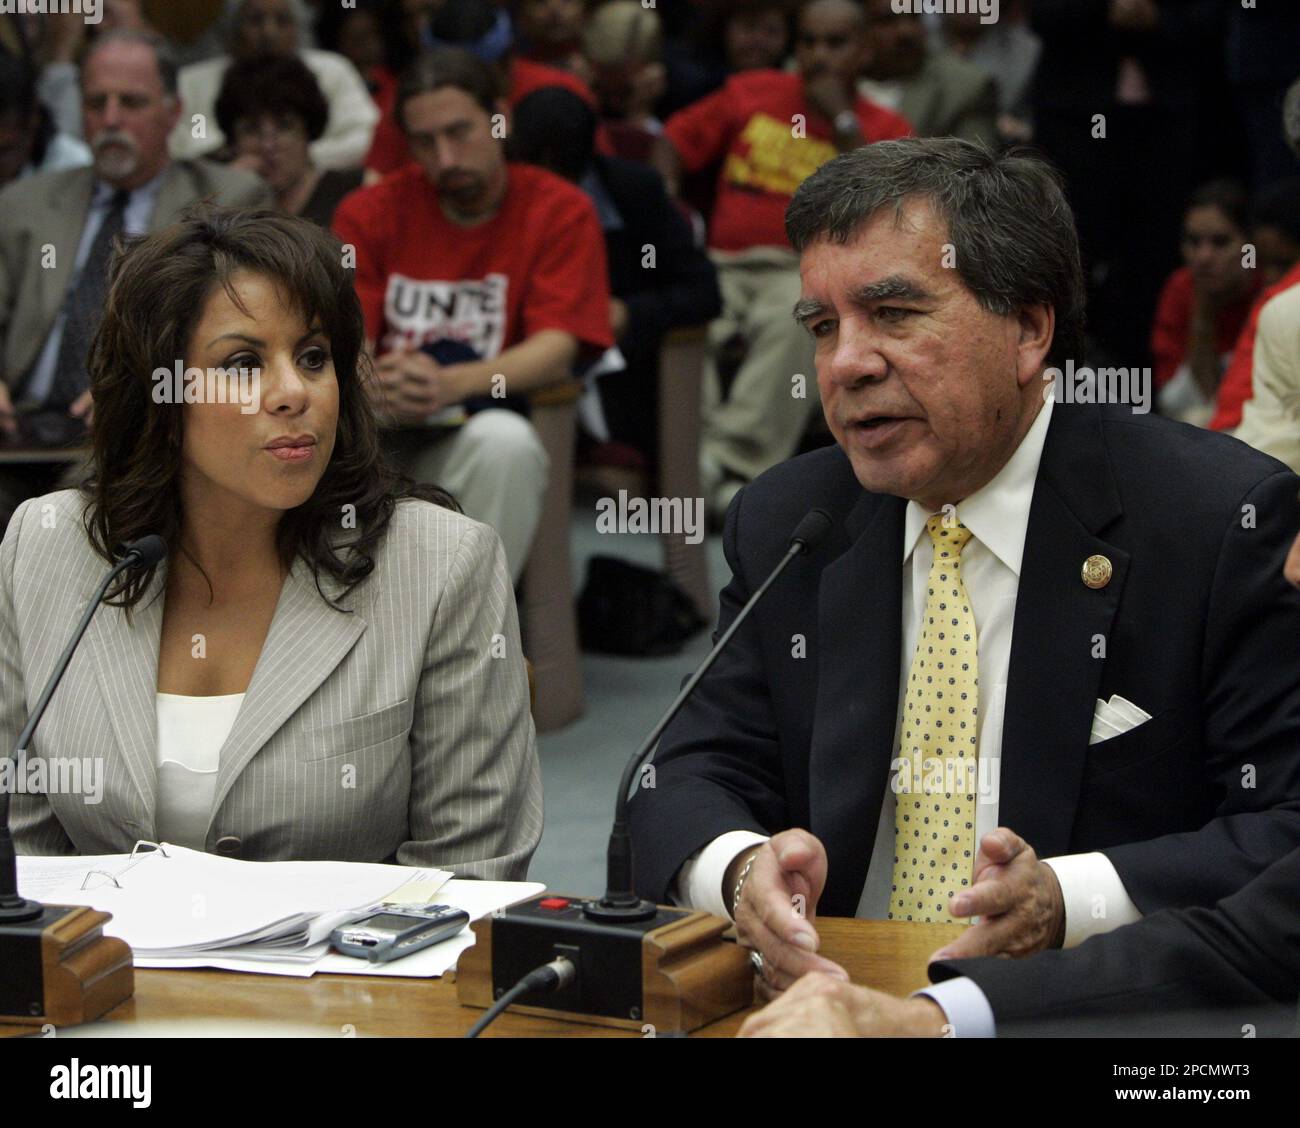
[[941, 94], [57, 231]]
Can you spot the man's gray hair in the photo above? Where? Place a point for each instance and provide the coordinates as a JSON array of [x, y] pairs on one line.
[[1011, 229], [168, 67]]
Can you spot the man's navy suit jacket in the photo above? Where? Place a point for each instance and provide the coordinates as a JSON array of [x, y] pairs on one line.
[[794, 726], [1194, 972]]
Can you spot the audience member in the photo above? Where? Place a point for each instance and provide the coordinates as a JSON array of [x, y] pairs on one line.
[[1008, 51], [1260, 54], [771, 129], [478, 279], [744, 35], [1204, 304], [941, 94], [48, 316], [1116, 104], [272, 109], [29, 140], [550, 31], [705, 44], [554, 128], [1276, 235], [1266, 368], [484, 30], [369, 36], [623, 48], [275, 27]]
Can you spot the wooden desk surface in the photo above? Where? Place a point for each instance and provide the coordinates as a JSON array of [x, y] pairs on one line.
[[888, 955]]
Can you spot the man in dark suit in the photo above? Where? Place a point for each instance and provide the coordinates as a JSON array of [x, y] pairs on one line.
[[1098, 615]]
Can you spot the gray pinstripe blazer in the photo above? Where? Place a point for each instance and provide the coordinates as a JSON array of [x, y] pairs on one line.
[[401, 728]]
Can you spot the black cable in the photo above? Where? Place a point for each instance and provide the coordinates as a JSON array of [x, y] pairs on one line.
[[560, 972]]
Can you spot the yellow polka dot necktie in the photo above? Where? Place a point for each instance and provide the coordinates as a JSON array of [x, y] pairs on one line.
[[934, 817]]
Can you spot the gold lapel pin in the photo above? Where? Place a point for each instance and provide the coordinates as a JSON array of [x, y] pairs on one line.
[[1097, 571]]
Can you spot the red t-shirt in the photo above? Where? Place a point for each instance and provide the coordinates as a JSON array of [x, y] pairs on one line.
[[1173, 324], [539, 263], [751, 122], [1236, 387], [388, 149]]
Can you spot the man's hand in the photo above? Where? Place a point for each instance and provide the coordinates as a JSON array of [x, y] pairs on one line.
[[83, 408], [827, 94], [618, 317], [248, 162], [409, 385], [1292, 568], [8, 421], [777, 905], [1017, 898], [820, 1006]]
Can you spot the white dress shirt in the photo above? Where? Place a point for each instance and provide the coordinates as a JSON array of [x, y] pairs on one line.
[[998, 517], [191, 731], [135, 221]]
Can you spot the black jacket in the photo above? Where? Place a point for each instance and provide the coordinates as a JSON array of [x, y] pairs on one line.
[[1202, 972], [1199, 626]]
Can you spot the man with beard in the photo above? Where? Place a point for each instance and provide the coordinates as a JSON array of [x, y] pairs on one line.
[[479, 280], [57, 232]]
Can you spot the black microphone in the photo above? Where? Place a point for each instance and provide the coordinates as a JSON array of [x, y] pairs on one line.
[[142, 553], [635, 963], [619, 901]]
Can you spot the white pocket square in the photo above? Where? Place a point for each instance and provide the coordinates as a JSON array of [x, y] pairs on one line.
[[1114, 718]]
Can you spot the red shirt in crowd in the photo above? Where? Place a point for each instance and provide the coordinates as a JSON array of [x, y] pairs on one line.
[[751, 121], [1173, 324], [388, 149], [1236, 387], [539, 263]]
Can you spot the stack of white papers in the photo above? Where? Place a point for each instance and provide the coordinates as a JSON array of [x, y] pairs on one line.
[[187, 908]]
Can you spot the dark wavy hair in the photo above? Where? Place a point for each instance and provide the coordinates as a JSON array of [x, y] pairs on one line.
[[159, 285], [272, 85]]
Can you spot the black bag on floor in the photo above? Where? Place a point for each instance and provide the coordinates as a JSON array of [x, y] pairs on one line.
[[633, 611]]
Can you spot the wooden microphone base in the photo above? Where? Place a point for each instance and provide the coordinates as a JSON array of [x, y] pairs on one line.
[[61, 969], [689, 975]]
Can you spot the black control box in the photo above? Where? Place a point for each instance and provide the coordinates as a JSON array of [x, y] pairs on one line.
[[607, 956]]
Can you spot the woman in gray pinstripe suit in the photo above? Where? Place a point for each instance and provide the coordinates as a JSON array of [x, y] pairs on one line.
[[327, 664]]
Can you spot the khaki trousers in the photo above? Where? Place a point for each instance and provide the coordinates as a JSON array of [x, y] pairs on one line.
[[761, 420]]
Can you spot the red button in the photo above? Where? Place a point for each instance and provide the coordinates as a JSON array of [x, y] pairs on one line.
[[554, 903]]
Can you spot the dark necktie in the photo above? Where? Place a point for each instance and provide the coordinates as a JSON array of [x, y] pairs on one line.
[[83, 307]]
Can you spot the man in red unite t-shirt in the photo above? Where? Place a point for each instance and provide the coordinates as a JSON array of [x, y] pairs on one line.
[[486, 31], [771, 129], [496, 270]]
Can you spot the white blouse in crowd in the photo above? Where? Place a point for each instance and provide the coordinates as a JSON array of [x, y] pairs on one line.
[[191, 731]]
